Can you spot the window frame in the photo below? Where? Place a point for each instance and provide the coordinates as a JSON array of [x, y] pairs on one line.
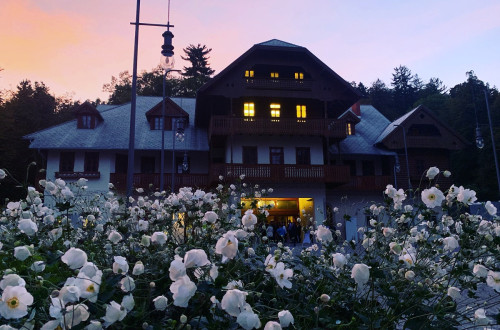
[[275, 110], [302, 155], [249, 109], [301, 110], [91, 162], [66, 161], [249, 155], [276, 151]]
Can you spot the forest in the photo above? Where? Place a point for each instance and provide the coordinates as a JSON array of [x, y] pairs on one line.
[[32, 107]]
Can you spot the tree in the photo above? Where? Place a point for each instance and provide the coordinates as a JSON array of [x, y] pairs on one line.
[[199, 72], [381, 98], [404, 88], [120, 88]]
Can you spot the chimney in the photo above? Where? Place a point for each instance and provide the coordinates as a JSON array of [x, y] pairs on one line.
[[356, 108]]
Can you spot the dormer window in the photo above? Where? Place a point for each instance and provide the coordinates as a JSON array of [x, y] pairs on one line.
[[249, 73], [301, 111], [275, 75], [158, 123], [88, 117], [86, 121], [299, 75], [157, 119], [249, 109], [275, 110]]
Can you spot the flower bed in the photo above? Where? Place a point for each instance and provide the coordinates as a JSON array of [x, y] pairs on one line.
[[189, 260]]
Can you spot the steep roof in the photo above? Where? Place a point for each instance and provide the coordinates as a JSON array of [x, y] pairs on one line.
[[277, 43], [113, 132], [372, 123]]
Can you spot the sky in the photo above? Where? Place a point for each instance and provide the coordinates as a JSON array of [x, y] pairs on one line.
[[75, 47]]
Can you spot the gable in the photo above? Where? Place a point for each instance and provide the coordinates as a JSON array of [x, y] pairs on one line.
[[171, 110], [423, 130]]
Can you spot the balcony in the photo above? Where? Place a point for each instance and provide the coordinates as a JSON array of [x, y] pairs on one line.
[[142, 180], [278, 83], [282, 173], [368, 183], [77, 175], [224, 125]]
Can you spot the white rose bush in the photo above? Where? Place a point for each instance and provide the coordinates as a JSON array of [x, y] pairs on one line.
[[196, 259]]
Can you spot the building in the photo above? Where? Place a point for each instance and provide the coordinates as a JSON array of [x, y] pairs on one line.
[[276, 114]]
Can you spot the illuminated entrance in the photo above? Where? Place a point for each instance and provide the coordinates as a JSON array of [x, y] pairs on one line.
[[283, 211]]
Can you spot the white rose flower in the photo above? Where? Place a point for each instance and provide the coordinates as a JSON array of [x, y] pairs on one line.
[[114, 312], [214, 272], [281, 275], [38, 266], [146, 240], [450, 243], [395, 247], [493, 280], [247, 319], [466, 196], [210, 217], [432, 197], [339, 260], [233, 301], [74, 258], [361, 274], [127, 284], [324, 234], [492, 210], [408, 259], [387, 231], [159, 238], [454, 293], [27, 226], [432, 172], [21, 252], [120, 266], [177, 268], [182, 290], [410, 275], [69, 293], [2, 174], [161, 303], [249, 219], [480, 271], [114, 237], [286, 318], [227, 246], [12, 280], [128, 302], [138, 268], [15, 301], [143, 225], [272, 325], [75, 314], [480, 317], [446, 174], [195, 258]]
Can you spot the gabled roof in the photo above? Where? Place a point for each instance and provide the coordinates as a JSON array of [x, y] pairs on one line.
[[113, 133], [372, 123], [87, 109], [277, 43], [171, 109], [411, 115], [349, 115]]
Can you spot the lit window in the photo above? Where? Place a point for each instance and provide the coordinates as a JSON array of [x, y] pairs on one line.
[[275, 110], [249, 73], [299, 75], [301, 111], [249, 109], [349, 129], [275, 75]]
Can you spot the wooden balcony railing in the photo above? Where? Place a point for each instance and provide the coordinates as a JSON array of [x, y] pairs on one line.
[[224, 125], [282, 173], [278, 83], [142, 180], [78, 175], [369, 183]]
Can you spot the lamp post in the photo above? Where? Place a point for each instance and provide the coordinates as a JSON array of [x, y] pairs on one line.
[[406, 156], [177, 134], [133, 101], [480, 140]]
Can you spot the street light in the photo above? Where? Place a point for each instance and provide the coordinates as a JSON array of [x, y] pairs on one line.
[[406, 156], [177, 134], [133, 100]]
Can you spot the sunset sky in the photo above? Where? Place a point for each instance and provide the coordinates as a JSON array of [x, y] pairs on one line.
[[75, 47]]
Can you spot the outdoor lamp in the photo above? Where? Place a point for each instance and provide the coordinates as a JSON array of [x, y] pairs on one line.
[[167, 51], [479, 138]]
